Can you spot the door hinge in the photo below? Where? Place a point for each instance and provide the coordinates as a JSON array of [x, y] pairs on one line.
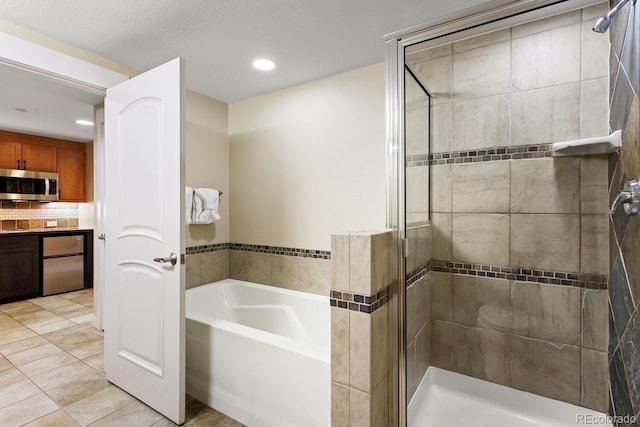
[[183, 259], [405, 248]]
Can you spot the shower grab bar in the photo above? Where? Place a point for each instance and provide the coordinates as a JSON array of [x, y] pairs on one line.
[[629, 198]]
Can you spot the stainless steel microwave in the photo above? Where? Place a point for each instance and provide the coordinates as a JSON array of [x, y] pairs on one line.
[[28, 185]]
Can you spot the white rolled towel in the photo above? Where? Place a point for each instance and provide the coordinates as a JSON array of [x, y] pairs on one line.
[[206, 201], [188, 205]]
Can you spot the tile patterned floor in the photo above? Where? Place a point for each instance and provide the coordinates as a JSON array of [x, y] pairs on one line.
[[52, 371]]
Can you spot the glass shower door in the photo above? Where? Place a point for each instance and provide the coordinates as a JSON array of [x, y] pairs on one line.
[[417, 142]]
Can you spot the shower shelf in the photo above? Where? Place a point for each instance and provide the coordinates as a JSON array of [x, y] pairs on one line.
[[588, 146]]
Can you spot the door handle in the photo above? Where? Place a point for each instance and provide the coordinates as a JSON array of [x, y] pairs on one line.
[[629, 198], [18, 164], [101, 236], [173, 259]]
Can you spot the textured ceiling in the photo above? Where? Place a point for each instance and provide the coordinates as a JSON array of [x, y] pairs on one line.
[[308, 39]]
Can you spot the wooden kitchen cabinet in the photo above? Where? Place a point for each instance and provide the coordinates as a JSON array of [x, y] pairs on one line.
[[43, 154], [19, 267], [38, 158], [17, 153], [10, 155], [71, 175]]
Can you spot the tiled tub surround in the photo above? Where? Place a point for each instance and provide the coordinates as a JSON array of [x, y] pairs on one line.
[[360, 362], [306, 270], [34, 215], [499, 200], [624, 232]]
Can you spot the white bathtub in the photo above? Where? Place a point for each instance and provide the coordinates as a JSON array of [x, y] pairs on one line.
[[260, 354]]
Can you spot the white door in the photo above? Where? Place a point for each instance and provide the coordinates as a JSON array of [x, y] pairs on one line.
[[98, 215], [144, 219]]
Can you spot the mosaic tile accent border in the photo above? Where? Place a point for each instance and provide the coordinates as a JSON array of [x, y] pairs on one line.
[[357, 302], [578, 280], [418, 273], [192, 250], [274, 250], [483, 155]]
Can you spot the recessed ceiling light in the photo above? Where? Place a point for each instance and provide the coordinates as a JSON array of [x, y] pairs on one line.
[[264, 64], [84, 122], [21, 110]]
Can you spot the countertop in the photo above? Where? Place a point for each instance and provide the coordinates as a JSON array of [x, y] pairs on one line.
[[38, 231]]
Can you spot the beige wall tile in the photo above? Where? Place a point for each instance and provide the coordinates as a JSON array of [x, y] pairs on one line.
[[594, 244], [481, 123], [339, 405], [595, 53], [471, 293], [411, 262], [424, 244], [379, 345], [441, 188], [423, 298], [423, 342], [593, 199], [411, 309], [442, 128], [548, 242], [546, 24], [544, 116], [594, 12], [441, 295], [481, 72], [285, 272], [594, 107], [417, 131], [552, 312], [546, 369], [595, 319], [630, 151], [595, 380], [482, 40], [481, 238], [380, 404], [359, 408], [415, 96], [193, 270], [412, 369], [417, 188], [214, 266], [481, 187], [340, 262], [315, 275], [360, 363], [360, 263], [593, 170], [435, 74], [441, 232], [546, 185], [548, 58], [340, 346], [250, 266], [481, 353], [430, 53], [440, 345], [380, 261]]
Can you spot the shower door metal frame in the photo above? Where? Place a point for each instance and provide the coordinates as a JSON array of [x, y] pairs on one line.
[[492, 15]]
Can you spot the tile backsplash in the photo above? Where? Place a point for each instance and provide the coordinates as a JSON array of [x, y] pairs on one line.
[[35, 215]]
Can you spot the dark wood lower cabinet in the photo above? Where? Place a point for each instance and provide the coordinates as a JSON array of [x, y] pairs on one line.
[[19, 267]]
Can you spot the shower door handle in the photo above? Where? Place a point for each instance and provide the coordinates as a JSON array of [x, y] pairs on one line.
[[629, 198]]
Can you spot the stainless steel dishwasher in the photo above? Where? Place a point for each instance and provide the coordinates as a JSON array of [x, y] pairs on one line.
[[62, 264]]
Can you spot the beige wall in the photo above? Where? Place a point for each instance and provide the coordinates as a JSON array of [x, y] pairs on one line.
[[308, 161], [207, 162]]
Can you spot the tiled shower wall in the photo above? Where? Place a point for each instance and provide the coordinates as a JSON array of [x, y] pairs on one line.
[[520, 238], [624, 284], [34, 215], [360, 353]]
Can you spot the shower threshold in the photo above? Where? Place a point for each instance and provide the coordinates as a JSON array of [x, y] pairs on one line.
[[455, 400]]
